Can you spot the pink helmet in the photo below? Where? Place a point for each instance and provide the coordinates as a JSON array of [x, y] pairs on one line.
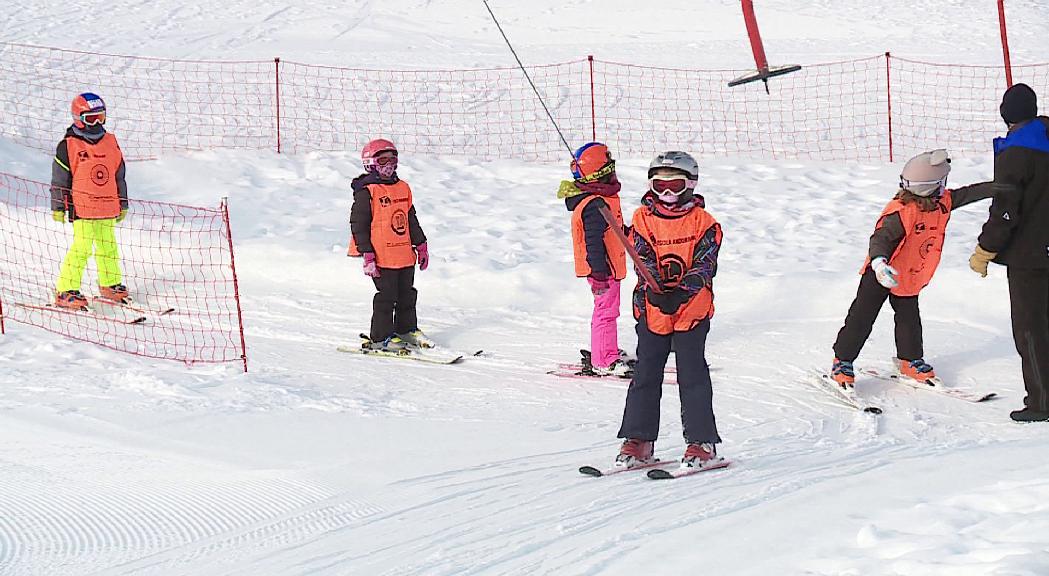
[[373, 148]]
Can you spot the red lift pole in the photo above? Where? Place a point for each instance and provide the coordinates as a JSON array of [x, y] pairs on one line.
[[764, 72], [1005, 45]]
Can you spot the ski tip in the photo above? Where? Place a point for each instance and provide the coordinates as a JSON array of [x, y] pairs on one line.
[[456, 360], [590, 471], [659, 474], [478, 353], [872, 410]]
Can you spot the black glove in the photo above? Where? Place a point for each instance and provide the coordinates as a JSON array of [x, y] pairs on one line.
[[668, 302]]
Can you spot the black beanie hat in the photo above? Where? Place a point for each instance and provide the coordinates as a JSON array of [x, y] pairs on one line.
[[1019, 103]]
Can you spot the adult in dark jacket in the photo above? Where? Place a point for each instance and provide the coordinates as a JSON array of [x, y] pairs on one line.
[[1016, 235]]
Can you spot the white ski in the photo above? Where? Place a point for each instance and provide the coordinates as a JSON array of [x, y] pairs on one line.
[[933, 385]]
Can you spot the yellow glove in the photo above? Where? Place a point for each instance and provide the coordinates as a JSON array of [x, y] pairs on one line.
[[58, 215], [123, 214], [978, 261]]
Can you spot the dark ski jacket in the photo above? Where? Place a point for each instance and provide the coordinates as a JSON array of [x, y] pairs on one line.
[[62, 178], [1018, 226], [361, 213], [594, 228]]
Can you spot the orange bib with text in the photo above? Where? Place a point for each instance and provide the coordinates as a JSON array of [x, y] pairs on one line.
[[94, 169], [675, 241], [616, 252], [389, 230], [918, 255]]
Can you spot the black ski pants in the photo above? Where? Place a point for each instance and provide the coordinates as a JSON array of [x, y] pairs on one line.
[[393, 308], [641, 415], [870, 297], [1029, 303]]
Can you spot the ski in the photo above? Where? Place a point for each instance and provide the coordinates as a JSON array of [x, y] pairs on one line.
[[934, 385], [405, 354], [599, 472], [580, 375], [682, 471], [570, 371], [87, 312], [847, 397], [132, 305]]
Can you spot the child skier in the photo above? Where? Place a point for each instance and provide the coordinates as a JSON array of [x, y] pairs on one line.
[[902, 257], [678, 242], [88, 188], [599, 256], [386, 232]]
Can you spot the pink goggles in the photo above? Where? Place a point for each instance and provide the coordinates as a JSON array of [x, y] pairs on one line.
[[675, 185]]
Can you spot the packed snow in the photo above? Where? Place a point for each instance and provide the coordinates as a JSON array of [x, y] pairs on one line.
[[318, 462]]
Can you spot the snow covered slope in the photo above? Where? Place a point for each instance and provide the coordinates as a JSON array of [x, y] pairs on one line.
[[318, 462]]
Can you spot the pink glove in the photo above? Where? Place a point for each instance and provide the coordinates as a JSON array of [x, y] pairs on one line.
[[599, 284], [370, 267], [424, 255]]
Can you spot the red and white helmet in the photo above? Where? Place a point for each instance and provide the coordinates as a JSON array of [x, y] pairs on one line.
[[88, 110], [373, 149]]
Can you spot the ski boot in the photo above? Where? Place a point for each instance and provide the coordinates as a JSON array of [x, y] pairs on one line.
[[635, 452], [417, 338], [618, 368], [843, 374], [917, 370], [699, 454], [391, 344], [116, 293], [71, 300], [627, 357]]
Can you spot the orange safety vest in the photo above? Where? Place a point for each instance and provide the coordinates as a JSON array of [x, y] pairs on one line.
[[918, 254], [94, 169], [674, 241], [616, 252], [389, 231]]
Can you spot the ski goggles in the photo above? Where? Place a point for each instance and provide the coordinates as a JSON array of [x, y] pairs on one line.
[[385, 157], [924, 189], [93, 118], [599, 173], [675, 185]]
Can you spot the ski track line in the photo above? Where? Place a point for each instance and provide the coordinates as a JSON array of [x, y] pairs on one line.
[[77, 527], [487, 550], [463, 498], [263, 537]]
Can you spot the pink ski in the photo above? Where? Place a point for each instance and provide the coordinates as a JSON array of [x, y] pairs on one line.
[[682, 471], [598, 472]]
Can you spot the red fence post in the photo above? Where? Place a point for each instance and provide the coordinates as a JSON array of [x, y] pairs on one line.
[[2, 316], [593, 113], [276, 79], [236, 287], [888, 99], [1005, 45]]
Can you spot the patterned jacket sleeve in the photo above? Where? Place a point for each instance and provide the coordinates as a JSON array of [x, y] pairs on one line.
[[704, 262]]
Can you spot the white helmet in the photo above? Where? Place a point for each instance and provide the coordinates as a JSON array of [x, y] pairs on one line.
[[925, 175], [677, 160]]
